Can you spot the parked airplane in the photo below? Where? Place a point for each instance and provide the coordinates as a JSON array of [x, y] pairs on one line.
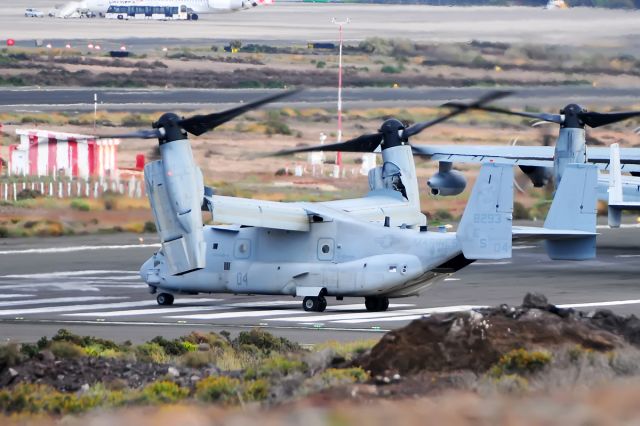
[[147, 7], [376, 247]]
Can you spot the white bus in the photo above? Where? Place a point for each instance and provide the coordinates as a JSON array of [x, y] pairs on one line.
[[151, 12]]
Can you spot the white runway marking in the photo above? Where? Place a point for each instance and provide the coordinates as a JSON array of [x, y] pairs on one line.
[[452, 279], [395, 317], [238, 314], [489, 263], [628, 255], [64, 274], [366, 315], [628, 225], [77, 248], [522, 247], [593, 304], [150, 311], [58, 300], [15, 296], [80, 308]]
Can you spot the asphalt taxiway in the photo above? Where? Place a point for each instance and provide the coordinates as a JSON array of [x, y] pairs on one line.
[[81, 99], [90, 286]]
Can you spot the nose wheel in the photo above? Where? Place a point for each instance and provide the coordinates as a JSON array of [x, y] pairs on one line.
[[376, 304], [165, 299], [314, 304]]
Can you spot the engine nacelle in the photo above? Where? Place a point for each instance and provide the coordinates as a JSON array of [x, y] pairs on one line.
[[447, 181], [175, 189], [539, 176]]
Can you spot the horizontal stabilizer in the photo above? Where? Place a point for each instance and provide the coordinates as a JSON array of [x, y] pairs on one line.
[[485, 229]]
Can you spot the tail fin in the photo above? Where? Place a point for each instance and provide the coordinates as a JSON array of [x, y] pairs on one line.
[[485, 229], [615, 187], [574, 209]]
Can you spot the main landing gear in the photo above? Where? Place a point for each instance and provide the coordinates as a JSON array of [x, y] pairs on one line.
[[376, 304], [314, 304], [165, 299]]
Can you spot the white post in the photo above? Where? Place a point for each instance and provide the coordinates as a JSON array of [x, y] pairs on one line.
[[95, 110], [15, 192], [50, 189], [95, 190], [59, 189], [42, 188], [6, 191], [340, 24]]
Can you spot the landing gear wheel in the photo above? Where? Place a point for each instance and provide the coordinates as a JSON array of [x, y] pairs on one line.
[[323, 304], [376, 304], [165, 299], [314, 304]]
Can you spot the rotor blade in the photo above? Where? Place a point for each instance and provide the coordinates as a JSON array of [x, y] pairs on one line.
[[596, 119], [553, 118], [138, 134], [460, 108], [364, 143], [200, 124]]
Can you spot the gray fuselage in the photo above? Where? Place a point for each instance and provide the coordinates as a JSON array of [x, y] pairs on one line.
[[344, 256]]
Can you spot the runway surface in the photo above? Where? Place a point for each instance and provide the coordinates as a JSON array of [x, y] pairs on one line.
[[90, 285], [300, 23], [36, 99]]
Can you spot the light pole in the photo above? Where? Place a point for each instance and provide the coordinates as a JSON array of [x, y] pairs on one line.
[[340, 24]]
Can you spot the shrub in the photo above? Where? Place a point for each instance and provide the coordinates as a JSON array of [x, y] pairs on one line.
[[339, 376], [442, 215], [149, 227], [198, 359], [321, 64], [151, 352], [390, 69], [84, 341], [66, 350], [218, 388], [280, 366], [80, 205], [163, 392], [4, 232], [171, 347], [9, 355], [27, 194], [256, 390], [265, 341], [520, 361], [520, 212]]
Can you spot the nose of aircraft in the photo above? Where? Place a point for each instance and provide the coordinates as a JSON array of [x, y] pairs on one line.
[[145, 269]]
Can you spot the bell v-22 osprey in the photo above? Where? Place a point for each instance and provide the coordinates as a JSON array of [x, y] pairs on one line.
[[376, 247]]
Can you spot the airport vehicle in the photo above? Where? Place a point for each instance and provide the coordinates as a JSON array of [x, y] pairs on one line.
[[542, 164], [155, 9], [151, 12], [33, 13], [377, 247]]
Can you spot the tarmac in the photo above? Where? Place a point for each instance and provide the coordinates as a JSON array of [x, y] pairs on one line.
[[81, 99], [90, 285], [299, 23]]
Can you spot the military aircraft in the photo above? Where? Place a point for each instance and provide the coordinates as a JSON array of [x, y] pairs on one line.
[[376, 247], [540, 163], [617, 203]]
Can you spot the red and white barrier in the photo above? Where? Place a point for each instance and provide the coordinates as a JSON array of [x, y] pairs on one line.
[[47, 153]]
